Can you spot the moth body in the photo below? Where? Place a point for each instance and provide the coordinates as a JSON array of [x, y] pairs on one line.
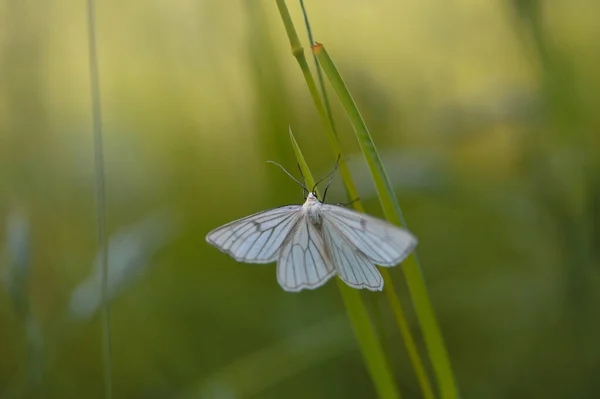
[[312, 209]]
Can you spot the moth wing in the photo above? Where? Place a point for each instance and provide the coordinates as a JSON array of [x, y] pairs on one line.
[[256, 238]]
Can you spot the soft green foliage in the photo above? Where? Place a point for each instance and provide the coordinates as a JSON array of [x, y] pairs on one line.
[[484, 115]]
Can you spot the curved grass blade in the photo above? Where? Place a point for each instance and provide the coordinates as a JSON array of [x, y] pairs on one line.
[[414, 278], [390, 291], [371, 349], [327, 121]]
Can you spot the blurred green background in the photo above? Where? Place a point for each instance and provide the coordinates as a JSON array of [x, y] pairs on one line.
[[486, 116]]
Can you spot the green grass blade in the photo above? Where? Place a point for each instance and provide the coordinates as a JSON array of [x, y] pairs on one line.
[[298, 53], [325, 115], [371, 349], [389, 290], [415, 281], [100, 194], [319, 71], [384, 188]]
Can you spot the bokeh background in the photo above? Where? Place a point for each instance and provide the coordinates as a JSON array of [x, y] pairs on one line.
[[486, 116]]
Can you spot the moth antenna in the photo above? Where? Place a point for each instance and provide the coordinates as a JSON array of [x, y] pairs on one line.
[[289, 174], [330, 175], [348, 203], [304, 190]]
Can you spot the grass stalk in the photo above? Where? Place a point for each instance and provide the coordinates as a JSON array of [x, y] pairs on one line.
[[318, 67], [325, 115], [298, 53], [414, 278], [371, 349], [100, 193]]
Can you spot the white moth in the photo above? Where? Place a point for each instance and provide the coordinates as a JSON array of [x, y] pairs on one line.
[[315, 241]]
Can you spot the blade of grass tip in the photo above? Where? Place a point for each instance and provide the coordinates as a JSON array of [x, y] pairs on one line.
[[100, 193], [370, 347], [414, 278], [327, 121], [390, 292]]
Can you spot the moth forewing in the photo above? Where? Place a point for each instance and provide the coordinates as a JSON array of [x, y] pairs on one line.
[[256, 238]]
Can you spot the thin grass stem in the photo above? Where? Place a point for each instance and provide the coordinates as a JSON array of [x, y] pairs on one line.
[[100, 193], [318, 67]]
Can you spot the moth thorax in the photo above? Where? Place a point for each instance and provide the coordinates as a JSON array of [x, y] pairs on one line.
[[313, 212], [312, 209]]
